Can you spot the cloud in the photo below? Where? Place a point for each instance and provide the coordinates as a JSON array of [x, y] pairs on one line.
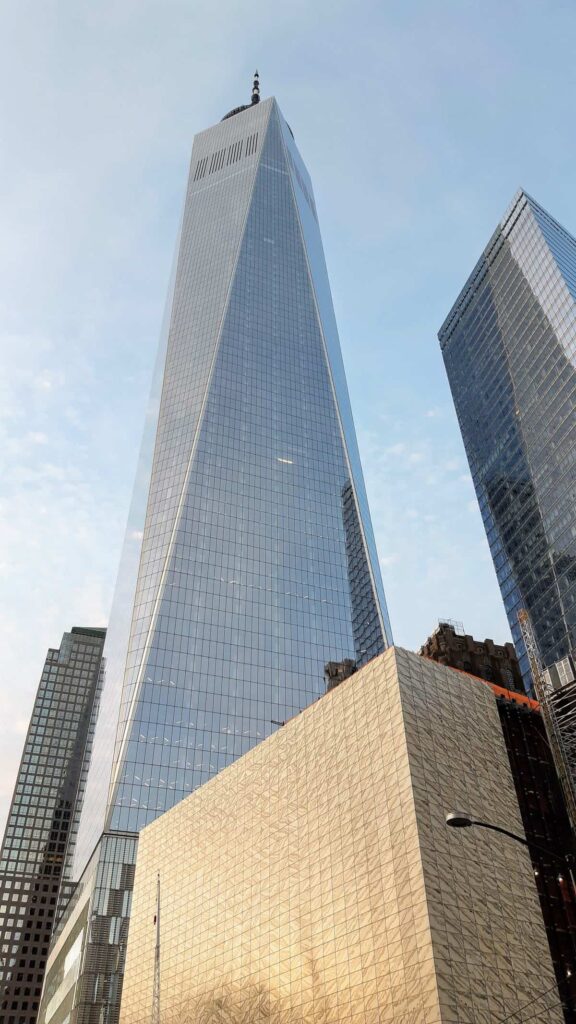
[[386, 560], [96, 146], [439, 561], [62, 512], [395, 449], [47, 380]]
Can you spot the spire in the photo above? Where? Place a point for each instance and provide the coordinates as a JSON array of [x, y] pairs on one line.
[[256, 88], [255, 98]]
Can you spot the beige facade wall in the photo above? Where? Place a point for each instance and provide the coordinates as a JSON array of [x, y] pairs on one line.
[[315, 881]]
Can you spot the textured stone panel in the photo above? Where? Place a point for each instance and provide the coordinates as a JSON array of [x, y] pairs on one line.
[[314, 880]]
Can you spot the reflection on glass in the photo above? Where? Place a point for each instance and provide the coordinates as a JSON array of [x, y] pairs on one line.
[[252, 574], [509, 346]]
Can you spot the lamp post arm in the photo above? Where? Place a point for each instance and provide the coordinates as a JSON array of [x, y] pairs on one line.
[[503, 831], [564, 859], [461, 819]]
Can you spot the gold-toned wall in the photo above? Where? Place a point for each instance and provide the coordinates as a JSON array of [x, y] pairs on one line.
[[314, 880]]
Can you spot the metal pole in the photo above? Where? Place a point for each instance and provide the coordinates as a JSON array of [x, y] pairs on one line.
[[156, 992], [564, 859]]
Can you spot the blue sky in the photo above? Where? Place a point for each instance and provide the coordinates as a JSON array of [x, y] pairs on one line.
[[418, 121]]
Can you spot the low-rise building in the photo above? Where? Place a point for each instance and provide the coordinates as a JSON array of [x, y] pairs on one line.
[[497, 663], [315, 879]]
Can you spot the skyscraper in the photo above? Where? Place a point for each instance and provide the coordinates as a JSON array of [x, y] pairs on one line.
[[509, 346], [40, 824], [257, 562]]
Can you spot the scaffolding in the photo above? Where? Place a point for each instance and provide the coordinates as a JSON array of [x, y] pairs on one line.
[[454, 624], [555, 690]]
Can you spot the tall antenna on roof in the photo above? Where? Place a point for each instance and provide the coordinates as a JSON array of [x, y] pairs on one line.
[[256, 88]]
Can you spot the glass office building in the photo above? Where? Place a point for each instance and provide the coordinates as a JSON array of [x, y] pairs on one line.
[[250, 560], [509, 346], [40, 827]]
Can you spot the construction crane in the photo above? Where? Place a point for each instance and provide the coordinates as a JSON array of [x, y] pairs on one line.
[[556, 693]]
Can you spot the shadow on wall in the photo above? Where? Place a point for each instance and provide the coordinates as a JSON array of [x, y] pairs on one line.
[[241, 1003]]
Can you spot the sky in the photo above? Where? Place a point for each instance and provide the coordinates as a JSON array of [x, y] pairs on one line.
[[418, 122]]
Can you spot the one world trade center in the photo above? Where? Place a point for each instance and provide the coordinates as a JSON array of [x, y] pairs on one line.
[[249, 560]]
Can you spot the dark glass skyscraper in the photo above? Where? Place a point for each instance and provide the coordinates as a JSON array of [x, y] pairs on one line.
[[250, 560], [40, 825], [509, 345]]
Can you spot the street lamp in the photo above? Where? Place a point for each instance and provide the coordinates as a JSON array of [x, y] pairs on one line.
[[461, 819]]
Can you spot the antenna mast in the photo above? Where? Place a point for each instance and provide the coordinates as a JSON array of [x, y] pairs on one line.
[[256, 88], [156, 990]]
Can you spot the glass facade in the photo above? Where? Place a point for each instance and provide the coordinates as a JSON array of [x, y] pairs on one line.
[[257, 563], [40, 827], [84, 974], [509, 346], [246, 583]]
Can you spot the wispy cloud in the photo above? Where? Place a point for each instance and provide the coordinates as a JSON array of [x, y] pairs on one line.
[[97, 124], [426, 515]]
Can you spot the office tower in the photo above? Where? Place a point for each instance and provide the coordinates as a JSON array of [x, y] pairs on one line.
[[40, 824], [540, 799], [509, 346], [547, 827], [257, 562], [315, 879], [497, 663]]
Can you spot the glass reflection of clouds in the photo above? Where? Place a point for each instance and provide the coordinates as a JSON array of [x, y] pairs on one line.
[[252, 572], [509, 345]]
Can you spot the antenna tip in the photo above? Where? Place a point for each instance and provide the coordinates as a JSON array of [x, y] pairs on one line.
[[256, 88]]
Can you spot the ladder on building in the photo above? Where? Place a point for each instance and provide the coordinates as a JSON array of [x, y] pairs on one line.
[[156, 989]]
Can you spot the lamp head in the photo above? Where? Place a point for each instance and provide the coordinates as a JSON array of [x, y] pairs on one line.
[[459, 819]]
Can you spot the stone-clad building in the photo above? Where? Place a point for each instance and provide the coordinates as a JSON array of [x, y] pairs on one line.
[[315, 879], [541, 801]]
